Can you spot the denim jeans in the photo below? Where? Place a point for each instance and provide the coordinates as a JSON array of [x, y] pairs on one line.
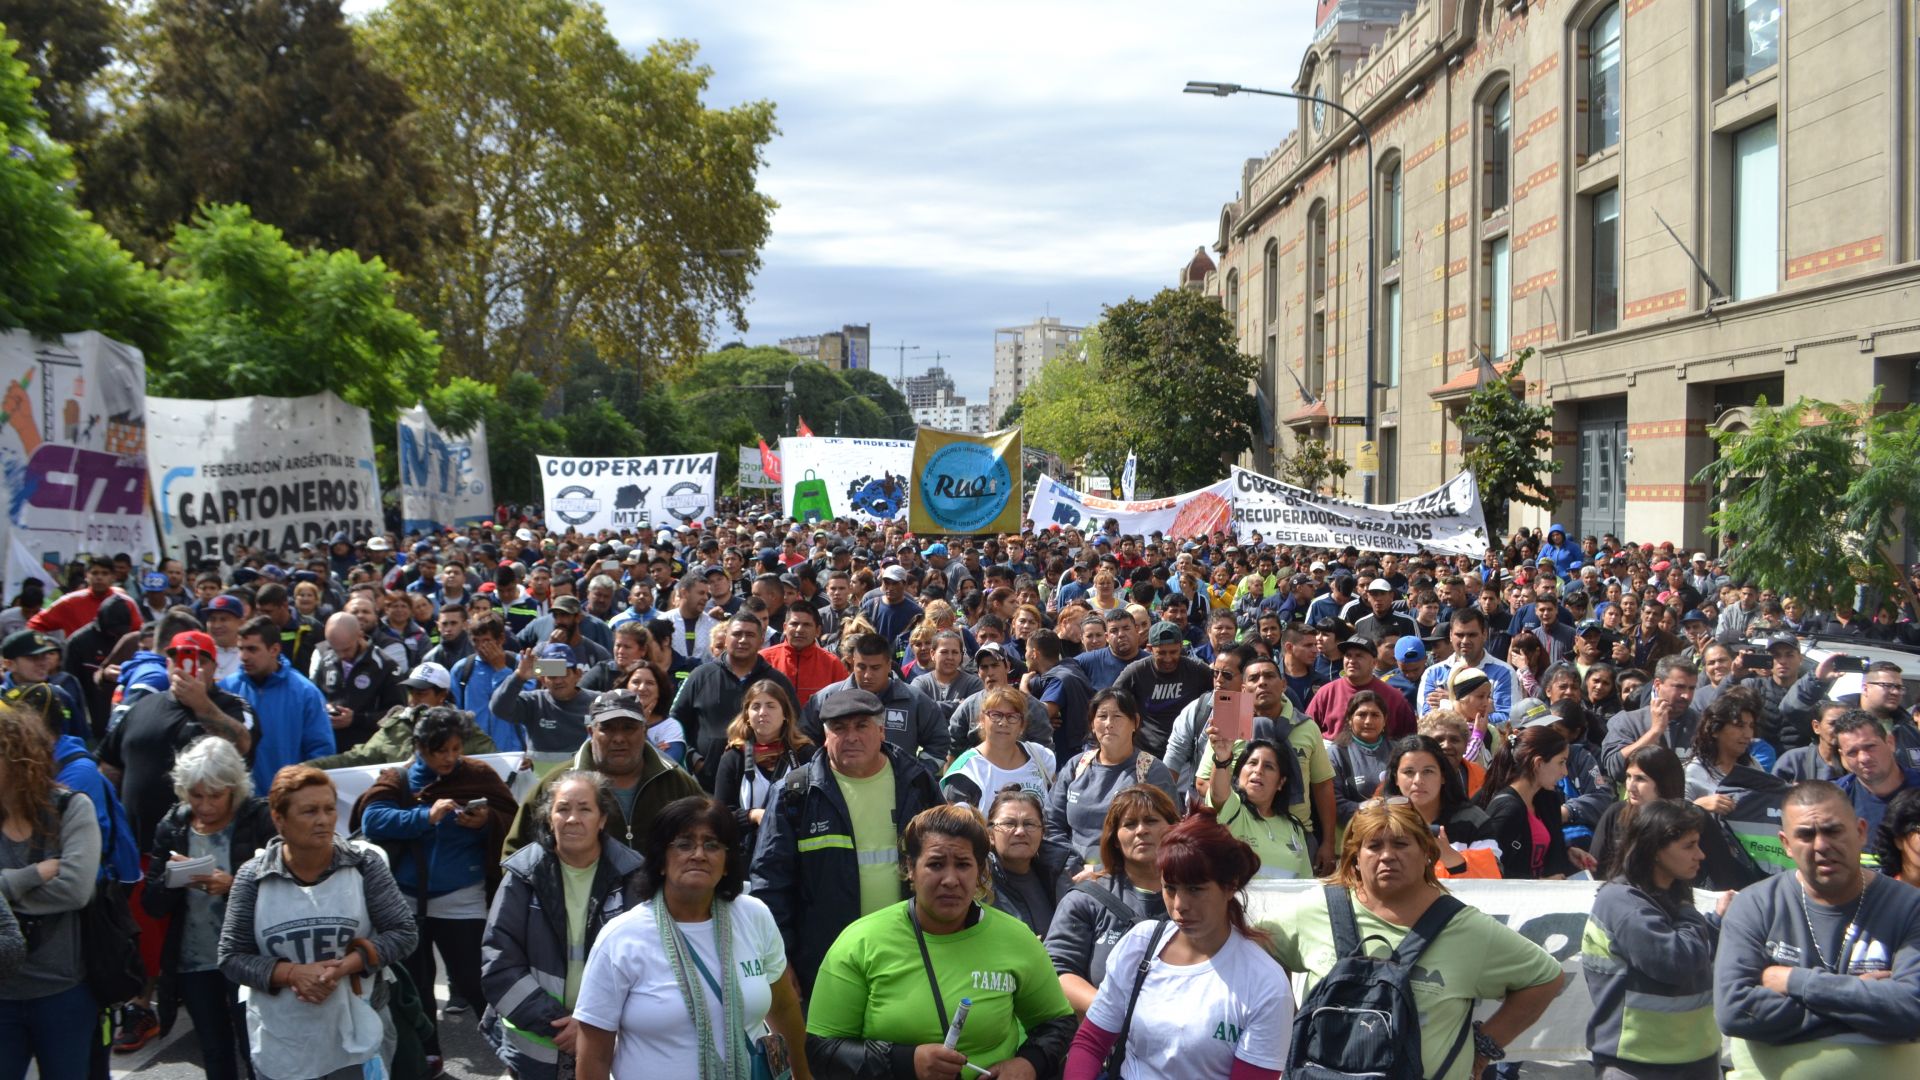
[[56, 1031]]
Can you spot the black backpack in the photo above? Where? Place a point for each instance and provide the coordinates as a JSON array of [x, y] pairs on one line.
[[1361, 1020]]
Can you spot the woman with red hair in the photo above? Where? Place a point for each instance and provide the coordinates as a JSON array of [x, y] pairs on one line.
[[1195, 994]]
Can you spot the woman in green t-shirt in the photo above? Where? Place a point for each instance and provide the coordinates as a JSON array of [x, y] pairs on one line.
[[891, 982], [1250, 798]]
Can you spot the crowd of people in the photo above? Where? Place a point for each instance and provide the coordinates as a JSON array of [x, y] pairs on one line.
[[750, 798]]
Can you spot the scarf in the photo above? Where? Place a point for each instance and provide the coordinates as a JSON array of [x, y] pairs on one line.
[[737, 1064]]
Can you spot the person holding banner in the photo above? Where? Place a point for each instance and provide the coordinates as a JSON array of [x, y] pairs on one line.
[[1387, 870], [1818, 971], [1648, 955]]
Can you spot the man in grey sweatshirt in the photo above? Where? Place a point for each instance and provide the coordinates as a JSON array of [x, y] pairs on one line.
[[1823, 962]]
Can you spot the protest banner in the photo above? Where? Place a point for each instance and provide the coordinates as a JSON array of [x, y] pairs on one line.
[[1196, 513], [753, 475], [444, 479], [1447, 520], [826, 478], [595, 494], [1551, 914], [262, 473], [965, 484], [73, 444]]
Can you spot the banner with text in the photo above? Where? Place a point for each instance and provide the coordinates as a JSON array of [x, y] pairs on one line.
[[1446, 520], [1197, 513], [862, 479], [595, 494], [752, 475], [965, 484], [444, 479], [260, 473], [1551, 914], [73, 444]]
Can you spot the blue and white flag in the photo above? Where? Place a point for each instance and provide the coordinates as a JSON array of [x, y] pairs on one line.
[[1126, 477]]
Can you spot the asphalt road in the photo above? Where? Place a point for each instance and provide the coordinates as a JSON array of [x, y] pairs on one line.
[[177, 1057]]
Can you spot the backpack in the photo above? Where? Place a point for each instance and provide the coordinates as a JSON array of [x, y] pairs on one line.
[[1142, 764], [110, 962], [1360, 1019]]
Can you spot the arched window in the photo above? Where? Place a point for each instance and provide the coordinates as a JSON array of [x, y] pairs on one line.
[[1270, 281], [1392, 204], [1316, 379], [1496, 154], [1603, 79], [1233, 299]]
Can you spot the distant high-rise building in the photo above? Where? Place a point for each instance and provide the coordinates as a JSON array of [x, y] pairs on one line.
[[955, 415], [935, 387], [849, 348], [1018, 354]]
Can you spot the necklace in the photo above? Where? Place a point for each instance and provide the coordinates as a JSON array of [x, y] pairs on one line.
[[1846, 936]]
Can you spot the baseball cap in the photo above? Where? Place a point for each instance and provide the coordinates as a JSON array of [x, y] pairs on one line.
[[1699, 556], [1380, 584], [1783, 641], [850, 702], [1589, 626], [1535, 714], [422, 547], [991, 650], [378, 543], [1694, 616], [226, 605], [525, 536], [568, 605], [894, 573], [197, 640], [34, 643], [428, 676], [1409, 648], [933, 549], [617, 705], [1357, 642], [1317, 567], [1164, 633], [554, 650]]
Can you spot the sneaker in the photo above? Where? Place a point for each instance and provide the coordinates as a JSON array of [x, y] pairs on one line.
[[436, 1067], [137, 1027], [456, 1005]]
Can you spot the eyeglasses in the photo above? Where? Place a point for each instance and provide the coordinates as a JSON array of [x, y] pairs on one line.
[[1017, 826], [1003, 717], [1895, 687], [1219, 674], [686, 845], [1386, 802]]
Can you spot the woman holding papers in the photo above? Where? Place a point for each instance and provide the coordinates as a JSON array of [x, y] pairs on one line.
[[215, 828]]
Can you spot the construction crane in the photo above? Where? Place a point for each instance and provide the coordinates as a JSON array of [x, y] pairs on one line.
[[903, 349]]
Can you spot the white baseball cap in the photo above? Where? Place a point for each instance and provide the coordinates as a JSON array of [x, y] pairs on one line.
[[428, 676]]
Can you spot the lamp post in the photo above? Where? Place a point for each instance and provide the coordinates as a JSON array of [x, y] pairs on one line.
[[1224, 89]]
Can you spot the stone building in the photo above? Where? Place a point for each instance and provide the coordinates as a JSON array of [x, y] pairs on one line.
[[1683, 206]]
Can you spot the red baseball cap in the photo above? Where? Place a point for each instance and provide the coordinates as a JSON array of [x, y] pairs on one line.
[[195, 640]]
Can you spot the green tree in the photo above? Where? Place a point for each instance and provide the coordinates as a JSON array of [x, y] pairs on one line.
[[896, 415], [1509, 446], [258, 317], [66, 44], [601, 200], [273, 104], [1075, 409], [744, 391], [1814, 497], [61, 273], [1314, 466]]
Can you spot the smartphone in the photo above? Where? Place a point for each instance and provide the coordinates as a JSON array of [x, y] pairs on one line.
[[1758, 661], [1849, 663], [474, 806], [1233, 714], [551, 669], [189, 664]]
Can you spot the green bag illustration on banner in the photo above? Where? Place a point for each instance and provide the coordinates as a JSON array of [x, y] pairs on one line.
[[810, 500]]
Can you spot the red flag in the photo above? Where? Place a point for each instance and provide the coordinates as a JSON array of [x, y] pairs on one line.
[[804, 431], [769, 462]]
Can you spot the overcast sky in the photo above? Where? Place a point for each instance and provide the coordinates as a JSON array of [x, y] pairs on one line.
[[945, 171]]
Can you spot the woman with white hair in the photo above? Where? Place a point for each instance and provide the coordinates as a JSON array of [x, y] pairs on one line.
[[217, 818]]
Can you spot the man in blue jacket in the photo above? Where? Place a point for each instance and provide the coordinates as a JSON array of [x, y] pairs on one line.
[[1566, 554], [290, 710]]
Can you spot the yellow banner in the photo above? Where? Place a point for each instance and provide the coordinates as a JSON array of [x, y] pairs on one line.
[[964, 484]]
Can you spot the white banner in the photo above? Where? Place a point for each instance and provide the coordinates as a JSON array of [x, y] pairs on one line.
[[1446, 520], [444, 479], [262, 473], [350, 784], [752, 476], [73, 444], [1127, 475], [1197, 513], [862, 479], [591, 495], [1551, 914]]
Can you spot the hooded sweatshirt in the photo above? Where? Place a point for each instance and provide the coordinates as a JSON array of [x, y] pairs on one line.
[[292, 717], [1566, 554]]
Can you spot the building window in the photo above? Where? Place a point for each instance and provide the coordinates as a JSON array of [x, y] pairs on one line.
[[1499, 279], [1497, 157], [1271, 286], [1603, 80], [1390, 335], [1388, 447], [1756, 211], [1317, 299], [1233, 300], [1603, 295], [1317, 252], [1753, 37], [1317, 355], [1392, 206]]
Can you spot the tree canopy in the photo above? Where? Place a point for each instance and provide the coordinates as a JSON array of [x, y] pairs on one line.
[[1509, 445], [65, 44], [600, 200], [742, 391]]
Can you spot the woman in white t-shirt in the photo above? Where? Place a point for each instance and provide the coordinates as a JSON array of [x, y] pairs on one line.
[[1211, 1001], [682, 984], [1001, 759]]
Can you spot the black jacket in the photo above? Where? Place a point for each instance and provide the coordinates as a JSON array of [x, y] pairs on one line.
[[733, 769], [1054, 866], [1507, 826], [252, 828], [371, 688], [814, 894]]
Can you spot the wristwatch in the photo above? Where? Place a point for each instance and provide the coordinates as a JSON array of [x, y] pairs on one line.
[[1484, 1046]]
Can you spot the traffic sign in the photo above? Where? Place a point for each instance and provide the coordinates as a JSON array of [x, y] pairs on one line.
[[1349, 421]]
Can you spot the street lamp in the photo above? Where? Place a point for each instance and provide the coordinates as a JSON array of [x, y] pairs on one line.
[[1225, 89]]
